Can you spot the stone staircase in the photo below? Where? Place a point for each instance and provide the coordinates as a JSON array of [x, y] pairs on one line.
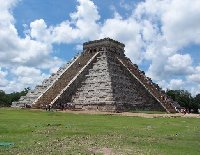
[[32, 95], [95, 92], [64, 97], [52, 93], [153, 89]]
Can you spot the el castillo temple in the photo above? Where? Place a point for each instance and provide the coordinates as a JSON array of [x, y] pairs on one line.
[[100, 78]]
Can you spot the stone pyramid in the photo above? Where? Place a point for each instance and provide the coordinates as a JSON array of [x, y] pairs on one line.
[[100, 78]]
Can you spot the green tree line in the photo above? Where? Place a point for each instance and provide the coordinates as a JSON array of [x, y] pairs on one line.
[[7, 99], [185, 99]]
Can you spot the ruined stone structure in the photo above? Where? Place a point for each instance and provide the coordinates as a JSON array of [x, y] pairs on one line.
[[100, 78]]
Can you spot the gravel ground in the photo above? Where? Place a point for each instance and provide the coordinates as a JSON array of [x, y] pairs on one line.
[[134, 114]]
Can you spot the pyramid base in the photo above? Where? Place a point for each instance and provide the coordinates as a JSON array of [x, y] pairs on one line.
[[109, 107]]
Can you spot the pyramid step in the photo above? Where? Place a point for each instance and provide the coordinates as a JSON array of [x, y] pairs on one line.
[[154, 90], [66, 77]]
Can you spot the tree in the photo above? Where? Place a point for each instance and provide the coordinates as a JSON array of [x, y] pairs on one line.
[[7, 99], [185, 99], [196, 102], [3, 99], [197, 98]]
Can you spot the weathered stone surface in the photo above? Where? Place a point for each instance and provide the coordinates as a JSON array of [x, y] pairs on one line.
[[101, 78], [96, 89], [32, 95]]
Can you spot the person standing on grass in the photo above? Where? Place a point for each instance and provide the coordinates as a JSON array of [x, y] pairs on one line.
[[49, 107], [46, 107]]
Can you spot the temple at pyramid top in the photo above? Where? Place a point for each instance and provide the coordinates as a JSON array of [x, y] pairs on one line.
[[102, 44], [100, 78], [107, 42]]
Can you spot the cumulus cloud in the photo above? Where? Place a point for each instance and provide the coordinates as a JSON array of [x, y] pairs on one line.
[[23, 77], [176, 84], [33, 52], [3, 81], [167, 27], [82, 25], [39, 31], [195, 77], [179, 64], [16, 51], [126, 31], [181, 22], [156, 31], [26, 71]]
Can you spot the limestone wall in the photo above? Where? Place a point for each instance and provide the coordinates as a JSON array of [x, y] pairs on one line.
[[128, 92], [95, 92], [109, 87], [152, 88]]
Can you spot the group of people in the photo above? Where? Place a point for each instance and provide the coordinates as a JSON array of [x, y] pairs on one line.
[[26, 106], [63, 107], [66, 106]]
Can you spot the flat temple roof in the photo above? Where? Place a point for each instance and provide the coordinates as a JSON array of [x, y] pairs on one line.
[[101, 42]]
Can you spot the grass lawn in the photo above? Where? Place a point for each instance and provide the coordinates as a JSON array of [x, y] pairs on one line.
[[41, 132]]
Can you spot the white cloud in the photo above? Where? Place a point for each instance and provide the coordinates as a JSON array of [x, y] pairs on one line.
[[26, 71], [82, 26], [5, 14], [86, 10], [64, 33], [195, 77], [149, 31], [176, 84], [14, 49], [23, 77], [3, 81], [39, 31], [156, 31], [16, 52], [181, 22], [179, 64], [24, 54], [167, 27], [126, 31], [52, 63], [85, 20]]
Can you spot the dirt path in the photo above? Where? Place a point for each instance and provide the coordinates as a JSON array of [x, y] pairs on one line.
[[133, 114]]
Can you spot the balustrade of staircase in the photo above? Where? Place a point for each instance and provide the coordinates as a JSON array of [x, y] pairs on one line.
[[48, 96], [32, 95]]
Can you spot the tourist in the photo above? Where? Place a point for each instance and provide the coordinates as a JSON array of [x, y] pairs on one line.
[[46, 107], [49, 107]]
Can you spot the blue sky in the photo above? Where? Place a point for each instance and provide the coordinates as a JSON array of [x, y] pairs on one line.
[[162, 37]]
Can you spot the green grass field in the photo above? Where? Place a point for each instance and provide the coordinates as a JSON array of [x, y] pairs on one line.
[[41, 132]]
